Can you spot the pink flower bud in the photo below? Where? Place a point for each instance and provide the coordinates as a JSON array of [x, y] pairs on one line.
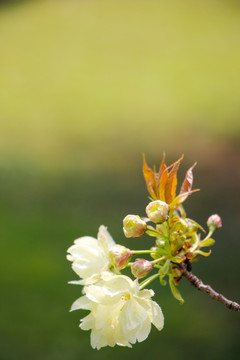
[[157, 211], [133, 226], [214, 222], [140, 268], [120, 256]]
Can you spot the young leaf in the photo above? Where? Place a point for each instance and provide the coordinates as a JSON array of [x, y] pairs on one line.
[[171, 183], [162, 167], [196, 224], [155, 234], [182, 211], [162, 281], [181, 198], [203, 253], [165, 268], [207, 242], [177, 259], [150, 178], [188, 181], [162, 184], [160, 242], [162, 228], [175, 291], [174, 219]]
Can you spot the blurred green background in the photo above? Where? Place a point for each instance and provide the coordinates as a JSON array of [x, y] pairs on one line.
[[85, 88]]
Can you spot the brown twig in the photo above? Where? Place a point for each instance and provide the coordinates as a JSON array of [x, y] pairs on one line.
[[195, 281]]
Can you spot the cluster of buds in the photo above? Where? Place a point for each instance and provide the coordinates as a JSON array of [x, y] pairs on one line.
[[177, 237], [135, 226]]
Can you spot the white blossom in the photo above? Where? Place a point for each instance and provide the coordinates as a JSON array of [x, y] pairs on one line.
[[90, 257], [120, 313]]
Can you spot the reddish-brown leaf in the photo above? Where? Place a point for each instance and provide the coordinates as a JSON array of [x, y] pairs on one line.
[[162, 184], [171, 183], [150, 179], [181, 198], [162, 167], [188, 181]]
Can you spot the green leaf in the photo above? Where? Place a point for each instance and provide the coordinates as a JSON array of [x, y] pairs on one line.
[[203, 253], [207, 242], [153, 233], [175, 291], [195, 242], [158, 252], [162, 281], [154, 254], [177, 259], [198, 225], [163, 247], [162, 228], [182, 211], [165, 268], [179, 225], [160, 242]]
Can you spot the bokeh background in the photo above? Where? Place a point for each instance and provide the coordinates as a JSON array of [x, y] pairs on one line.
[[85, 88]]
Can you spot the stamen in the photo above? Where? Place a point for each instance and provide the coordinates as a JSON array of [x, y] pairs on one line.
[[125, 297]]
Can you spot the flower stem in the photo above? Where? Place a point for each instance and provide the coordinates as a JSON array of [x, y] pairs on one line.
[[142, 251], [157, 260], [148, 281], [209, 235]]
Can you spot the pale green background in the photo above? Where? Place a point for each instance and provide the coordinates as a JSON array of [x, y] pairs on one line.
[[85, 88]]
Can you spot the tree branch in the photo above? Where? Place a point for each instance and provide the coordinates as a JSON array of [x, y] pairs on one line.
[[195, 281]]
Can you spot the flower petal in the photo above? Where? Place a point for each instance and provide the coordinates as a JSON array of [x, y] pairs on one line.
[[87, 241], [84, 251], [95, 336], [87, 267], [145, 294], [76, 282], [105, 239], [121, 283], [144, 330], [156, 315], [81, 303], [87, 322], [132, 315], [103, 295]]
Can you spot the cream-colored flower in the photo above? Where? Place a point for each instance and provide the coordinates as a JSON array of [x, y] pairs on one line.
[[121, 314], [90, 256]]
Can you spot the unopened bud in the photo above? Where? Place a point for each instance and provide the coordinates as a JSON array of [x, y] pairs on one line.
[[214, 222], [141, 268], [133, 226], [157, 211], [120, 256]]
